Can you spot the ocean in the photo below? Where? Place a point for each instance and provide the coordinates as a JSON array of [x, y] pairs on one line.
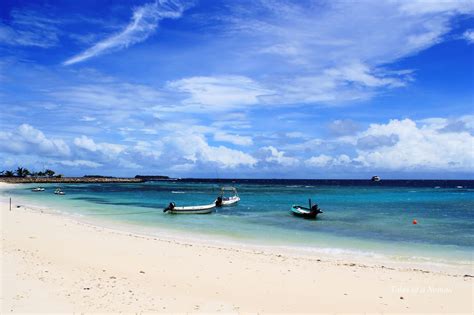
[[361, 218]]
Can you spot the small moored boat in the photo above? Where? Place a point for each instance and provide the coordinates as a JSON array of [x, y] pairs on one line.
[[308, 213], [58, 191], [202, 209], [38, 189], [227, 197]]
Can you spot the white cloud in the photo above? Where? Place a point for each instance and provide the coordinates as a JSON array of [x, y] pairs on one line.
[[219, 93], [80, 163], [360, 73], [346, 82], [87, 118], [147, 149], [30, 28], [419, 147], [114, 95], [272, 155], [469, 36], [434, 144], [296, 135], [235, 120], [144, 22], [318, 56], [323, 160], [107, 149], [232, 138], [404, 145], [194, 148], [436, 6], [319, 161], [27, 139]]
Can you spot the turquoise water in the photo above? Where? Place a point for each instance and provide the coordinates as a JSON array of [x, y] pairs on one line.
[[370, 219]]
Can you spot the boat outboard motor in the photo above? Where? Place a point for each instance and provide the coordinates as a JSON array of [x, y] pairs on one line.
[[316, 209], [170, 207], [219, 201]]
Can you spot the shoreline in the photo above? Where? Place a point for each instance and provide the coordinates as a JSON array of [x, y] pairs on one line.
[[69, 180], [339, 256], [53, 262]]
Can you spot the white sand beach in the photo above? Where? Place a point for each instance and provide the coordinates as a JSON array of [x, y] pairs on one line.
[[53, 263]]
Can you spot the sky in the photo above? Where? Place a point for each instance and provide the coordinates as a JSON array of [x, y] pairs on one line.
[[238, 89]]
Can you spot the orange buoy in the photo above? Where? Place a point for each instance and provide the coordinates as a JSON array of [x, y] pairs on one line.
[[415, 222]]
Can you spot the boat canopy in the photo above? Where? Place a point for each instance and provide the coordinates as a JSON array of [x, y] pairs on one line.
[[228, 189]]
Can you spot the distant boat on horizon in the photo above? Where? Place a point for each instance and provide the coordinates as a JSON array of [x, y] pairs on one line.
[[375, 178]]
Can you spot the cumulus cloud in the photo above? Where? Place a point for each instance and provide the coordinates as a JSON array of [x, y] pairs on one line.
[[27, 139], [106, 149], [144, 21], [270, 154], [418, 147], [194, 148], [319, 161], [434, 144]]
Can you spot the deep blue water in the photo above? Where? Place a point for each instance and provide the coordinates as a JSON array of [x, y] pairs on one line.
[[358, 215]]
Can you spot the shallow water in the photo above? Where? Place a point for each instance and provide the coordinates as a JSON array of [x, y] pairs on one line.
[[369, 219]]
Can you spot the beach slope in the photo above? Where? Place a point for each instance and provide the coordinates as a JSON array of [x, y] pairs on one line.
[[51, 263]]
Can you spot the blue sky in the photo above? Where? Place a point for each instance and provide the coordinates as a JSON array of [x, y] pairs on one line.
[[263, 88]]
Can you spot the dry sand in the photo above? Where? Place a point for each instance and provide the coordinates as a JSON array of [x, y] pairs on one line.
[[52, 263]]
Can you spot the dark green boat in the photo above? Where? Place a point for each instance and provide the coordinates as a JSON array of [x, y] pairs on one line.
[[304, 212]]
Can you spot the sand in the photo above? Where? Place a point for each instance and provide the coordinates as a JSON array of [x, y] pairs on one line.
[[53, 263]]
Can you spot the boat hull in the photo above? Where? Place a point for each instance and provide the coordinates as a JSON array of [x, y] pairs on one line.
[[303, 212], [227, 201], [193, 210], [233, 201]]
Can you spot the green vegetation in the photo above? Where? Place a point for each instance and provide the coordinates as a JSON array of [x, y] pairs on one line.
[[24, 172]]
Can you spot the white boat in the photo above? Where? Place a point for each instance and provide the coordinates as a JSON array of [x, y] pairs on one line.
[[38, 189], [225, 200], [58, 191], [375, 179], [201, 209]]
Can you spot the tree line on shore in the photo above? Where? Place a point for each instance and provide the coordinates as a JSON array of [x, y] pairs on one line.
[[24, 172]]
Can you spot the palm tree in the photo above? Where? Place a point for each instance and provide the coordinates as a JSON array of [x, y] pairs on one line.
[[22, 172], [49, 173], [19, 171], [9, 174]]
